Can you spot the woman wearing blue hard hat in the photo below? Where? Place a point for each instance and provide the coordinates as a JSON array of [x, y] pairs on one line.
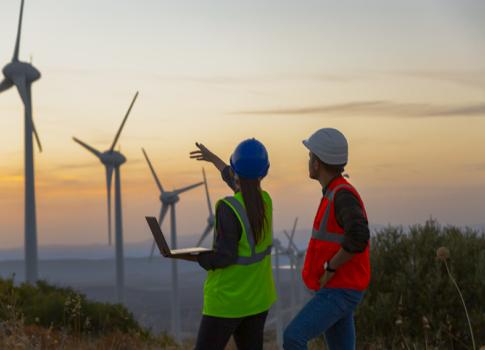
[[239, 289]]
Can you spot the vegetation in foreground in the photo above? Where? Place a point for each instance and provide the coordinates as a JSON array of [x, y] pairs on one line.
[[411, 303], [48, 317]]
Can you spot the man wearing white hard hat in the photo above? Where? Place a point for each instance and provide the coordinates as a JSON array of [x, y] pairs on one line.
[[337, 267]]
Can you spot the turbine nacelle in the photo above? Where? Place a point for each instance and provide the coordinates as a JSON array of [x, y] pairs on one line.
[[211, 221], [168, 198], [17, 69], [112, 158]]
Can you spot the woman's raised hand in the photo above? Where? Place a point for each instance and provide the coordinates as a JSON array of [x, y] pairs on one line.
[[203, 153]]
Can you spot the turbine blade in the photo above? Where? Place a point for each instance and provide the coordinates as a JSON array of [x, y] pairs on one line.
[[163, 213], [109, 176], [157, 181], [26, 96], [37, 139], [291, 243], [289, 238], [34, 129], [19, 32], [211, 213], [294, 228], [89, 148], [185, 189], [204, 234], [123, 123], [5, 85], [152, 250]]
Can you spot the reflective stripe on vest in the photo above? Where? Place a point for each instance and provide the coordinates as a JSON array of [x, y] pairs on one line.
[[255, 257], [322, 234]]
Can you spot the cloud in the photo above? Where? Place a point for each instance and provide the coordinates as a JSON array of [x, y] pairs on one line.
[[480, 167], [377, 109], [471, 78], [264, 79], [468, 78], [467, 110]]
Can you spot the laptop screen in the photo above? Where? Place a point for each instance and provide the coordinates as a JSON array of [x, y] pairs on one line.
[[158, 235]]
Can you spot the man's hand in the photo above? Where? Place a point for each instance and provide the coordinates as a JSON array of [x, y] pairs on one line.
[[203, 153], [338, 260], [327, 275]]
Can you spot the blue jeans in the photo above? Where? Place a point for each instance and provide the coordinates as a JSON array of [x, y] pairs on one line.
[[330, 311]]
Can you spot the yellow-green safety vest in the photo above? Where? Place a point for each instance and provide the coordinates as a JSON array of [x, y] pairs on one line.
[[247, 287]]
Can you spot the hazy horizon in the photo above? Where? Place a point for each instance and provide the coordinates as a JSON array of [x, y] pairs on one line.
[[404, 81]]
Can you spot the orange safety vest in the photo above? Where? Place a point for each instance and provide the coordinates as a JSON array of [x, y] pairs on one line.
[[327, 237]]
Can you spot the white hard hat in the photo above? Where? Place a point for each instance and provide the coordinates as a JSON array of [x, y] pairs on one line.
[[329, 145]]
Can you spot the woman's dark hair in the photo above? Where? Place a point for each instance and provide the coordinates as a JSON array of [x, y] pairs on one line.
[[255, 208]]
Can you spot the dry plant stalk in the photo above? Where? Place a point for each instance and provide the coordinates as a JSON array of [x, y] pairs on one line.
[[443, 254]]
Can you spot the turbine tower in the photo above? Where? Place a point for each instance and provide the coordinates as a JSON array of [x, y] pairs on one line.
[[112, 160], [211, 220], [169, 200], [22, 75]]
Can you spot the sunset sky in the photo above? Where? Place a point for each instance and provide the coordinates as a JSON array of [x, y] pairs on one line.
[[403, 80]]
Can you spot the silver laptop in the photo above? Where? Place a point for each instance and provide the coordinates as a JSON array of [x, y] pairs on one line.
[[162, 243]]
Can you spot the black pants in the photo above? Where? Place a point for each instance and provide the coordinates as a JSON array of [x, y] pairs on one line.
[[214, 332]]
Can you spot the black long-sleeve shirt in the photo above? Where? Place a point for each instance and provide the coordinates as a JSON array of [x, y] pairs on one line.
[[350, 216], [348, 211], [228, 233]]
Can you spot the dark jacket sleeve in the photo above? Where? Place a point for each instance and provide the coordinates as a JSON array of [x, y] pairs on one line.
[[228, 177], [228, 234], [350, 216]]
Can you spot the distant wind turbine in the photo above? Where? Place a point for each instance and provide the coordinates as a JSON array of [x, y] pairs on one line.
[[291, 255], [22, 75], [296, 256], [112, 160], [278, 249], [169, 199], [211, 219]]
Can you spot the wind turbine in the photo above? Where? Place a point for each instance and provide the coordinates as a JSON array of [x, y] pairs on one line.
[[112, 160], [211, 220], [296, 255], [169, 200], [291, 255], [278, 249], [22, 75]]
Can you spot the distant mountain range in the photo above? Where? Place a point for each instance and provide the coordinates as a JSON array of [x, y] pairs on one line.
[[91, 251], [142, 249]]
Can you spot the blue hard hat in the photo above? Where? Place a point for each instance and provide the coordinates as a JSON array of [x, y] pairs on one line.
[[250, 159]]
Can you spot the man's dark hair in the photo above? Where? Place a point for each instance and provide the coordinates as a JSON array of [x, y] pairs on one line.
[[331, 168]]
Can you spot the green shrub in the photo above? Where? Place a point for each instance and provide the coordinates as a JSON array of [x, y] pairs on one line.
[[411, 300], [62, 308]]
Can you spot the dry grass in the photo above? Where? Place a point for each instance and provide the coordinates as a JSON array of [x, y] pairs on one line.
[[19, 337]]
